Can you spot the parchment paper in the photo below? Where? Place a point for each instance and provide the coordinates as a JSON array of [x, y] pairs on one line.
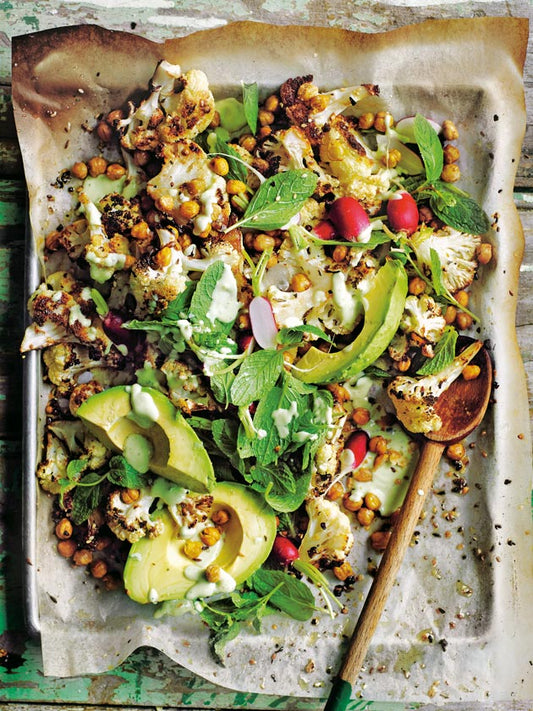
[[458, 622]]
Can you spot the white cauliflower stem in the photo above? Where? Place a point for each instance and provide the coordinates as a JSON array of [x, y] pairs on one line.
[[415, 400], [329, 537]]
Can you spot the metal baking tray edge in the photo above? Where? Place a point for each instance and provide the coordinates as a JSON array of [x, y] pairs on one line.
[[30, 454]]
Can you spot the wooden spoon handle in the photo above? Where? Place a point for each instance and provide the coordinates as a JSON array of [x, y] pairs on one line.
[[402, 533]]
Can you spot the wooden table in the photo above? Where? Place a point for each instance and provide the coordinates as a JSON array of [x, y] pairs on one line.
[[147, 679]]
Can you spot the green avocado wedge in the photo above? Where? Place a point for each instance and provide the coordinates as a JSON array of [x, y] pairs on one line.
[[157, 569], [143, 423], [385, 304]]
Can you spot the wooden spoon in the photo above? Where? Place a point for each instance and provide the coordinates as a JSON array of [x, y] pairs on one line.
[[461, 408]]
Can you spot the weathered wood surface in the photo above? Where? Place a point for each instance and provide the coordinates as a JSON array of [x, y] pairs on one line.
[[148, 679]]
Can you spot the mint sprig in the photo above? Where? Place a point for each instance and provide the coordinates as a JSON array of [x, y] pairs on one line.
[[278, 199]]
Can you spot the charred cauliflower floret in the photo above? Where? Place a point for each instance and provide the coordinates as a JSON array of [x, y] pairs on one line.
[[119, 215], [66, 361], [414, 399], [192, 512], [180, 105], [188, 191], [186, 389], [57, 318], [130, 521], [347, 157], [53, 467], [105, 255], [155, 284], [328, 538], [73, 239], [423, 316], [295, 152], [456, 251]]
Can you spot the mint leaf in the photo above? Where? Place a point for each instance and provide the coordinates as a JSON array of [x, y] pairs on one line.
[[268, 447], [203, 296], [123, 474], [257, 375], [278, 199], [430, 148], [291, 596], [436, 273], [85, 498], [293, 335], [250, 100], [180, 305], [221, 386], [458, 210], [444, 353]]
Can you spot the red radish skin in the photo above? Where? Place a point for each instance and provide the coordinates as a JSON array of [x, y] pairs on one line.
[[350, 219], [263, 322], [244, 341], [113, 327], [402, 212], [325, 230], [357, 443], [284, 552]]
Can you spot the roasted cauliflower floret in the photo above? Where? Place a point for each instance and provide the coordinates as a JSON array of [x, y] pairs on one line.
[[295, 152], [57, 318], [456, 251], [53, 467], [66, 361], [188, 191], [414, 399], [180, 105], [348, 158], [73, 239], [131, 521], [105, 255], [329, 537], [423, 316], [119, 215], [186, 390], [155, 285]]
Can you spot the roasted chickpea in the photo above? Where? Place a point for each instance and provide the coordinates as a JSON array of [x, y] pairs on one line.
[[450, 173]]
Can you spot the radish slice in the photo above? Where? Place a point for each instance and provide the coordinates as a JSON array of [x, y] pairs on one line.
[[263, 323], [405, 126]]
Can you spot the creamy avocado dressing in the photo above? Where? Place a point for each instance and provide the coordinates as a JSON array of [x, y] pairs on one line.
[[202, 587], [144, 410], [283, 417], [169, 493], [346, 301], [224, 304]]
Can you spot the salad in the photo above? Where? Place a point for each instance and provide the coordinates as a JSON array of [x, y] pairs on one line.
[[245, 323]]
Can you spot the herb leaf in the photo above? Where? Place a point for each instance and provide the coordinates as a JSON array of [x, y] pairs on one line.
[[278, 199], [291, 596], [430, 147], [444, 353], [202, 299], [257, 375], [250, 100], [458, 210]]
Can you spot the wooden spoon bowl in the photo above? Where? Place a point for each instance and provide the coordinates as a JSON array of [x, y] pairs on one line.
[[462, 406]]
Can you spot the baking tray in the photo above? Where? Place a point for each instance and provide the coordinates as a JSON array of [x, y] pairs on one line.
[[499, 554]]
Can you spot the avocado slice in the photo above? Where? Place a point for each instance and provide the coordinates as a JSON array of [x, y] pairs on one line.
[[386, 301], [126, 414], [157, 568]]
